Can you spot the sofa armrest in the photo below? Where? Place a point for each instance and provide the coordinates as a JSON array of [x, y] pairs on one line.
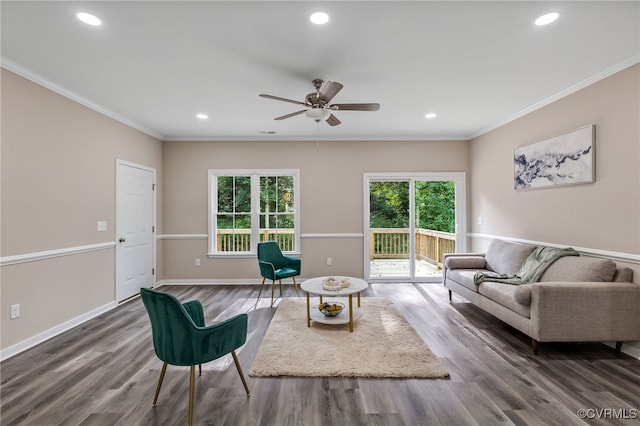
[[462, 261], [585, 311]]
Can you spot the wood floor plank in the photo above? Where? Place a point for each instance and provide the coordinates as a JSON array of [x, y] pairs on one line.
[[104, 373]]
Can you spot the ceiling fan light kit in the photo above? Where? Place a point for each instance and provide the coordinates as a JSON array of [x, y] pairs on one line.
[[317, 103], [318, 114]]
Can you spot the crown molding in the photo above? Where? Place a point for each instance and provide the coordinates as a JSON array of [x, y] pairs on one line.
[[562, 94], [67, 93]]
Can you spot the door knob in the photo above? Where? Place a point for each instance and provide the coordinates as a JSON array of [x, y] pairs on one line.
[[122, 240]]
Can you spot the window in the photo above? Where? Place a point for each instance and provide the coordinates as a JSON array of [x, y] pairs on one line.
[[248, 206]]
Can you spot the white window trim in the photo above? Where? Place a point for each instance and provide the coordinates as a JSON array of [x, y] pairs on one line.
[[255, 175]]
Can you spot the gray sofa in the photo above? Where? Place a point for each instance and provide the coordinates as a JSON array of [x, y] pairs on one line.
[[577, 298]]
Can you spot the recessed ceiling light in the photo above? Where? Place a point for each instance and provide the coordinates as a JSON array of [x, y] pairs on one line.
[[319, 18], [547, 18], [88, 19], [202, 116], [431, 115]]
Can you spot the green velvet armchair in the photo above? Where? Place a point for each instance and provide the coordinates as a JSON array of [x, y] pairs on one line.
[[181, 338], [276, 266]]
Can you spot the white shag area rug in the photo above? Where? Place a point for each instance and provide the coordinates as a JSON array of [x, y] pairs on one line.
[[383, 344]]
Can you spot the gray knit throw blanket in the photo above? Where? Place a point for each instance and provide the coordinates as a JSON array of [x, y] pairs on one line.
[[532, 268]]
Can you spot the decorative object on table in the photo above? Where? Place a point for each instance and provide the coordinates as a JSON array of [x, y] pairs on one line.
[[335, 284], [565, 159], [331, 309], [385, 345], [276, 266], [181, 338]]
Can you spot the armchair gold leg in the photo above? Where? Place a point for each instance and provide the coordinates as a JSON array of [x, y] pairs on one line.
[[192, 386], [295, 286], [244, 382], [164, 370], [280, 281], [200, 369], [273, 286], [260, 292]]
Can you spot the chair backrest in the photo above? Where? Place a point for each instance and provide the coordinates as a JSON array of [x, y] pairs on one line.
[[172, 327], [269, 251]]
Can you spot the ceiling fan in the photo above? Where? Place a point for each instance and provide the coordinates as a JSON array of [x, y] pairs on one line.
[[317, 105]]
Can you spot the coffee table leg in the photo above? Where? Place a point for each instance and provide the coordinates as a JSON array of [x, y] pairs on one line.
[[308, 312], [351, 313], [358, 300]]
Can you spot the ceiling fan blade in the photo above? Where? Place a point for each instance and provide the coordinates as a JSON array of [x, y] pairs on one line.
[[293, 114], [355, 107], [333, 120], [329, 90], [278, 98]]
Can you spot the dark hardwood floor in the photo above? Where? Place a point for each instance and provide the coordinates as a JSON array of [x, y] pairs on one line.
[[104, 372]]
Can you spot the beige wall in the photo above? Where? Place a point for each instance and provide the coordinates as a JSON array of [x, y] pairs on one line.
[[331, 185], [58, 181], [604, 215]]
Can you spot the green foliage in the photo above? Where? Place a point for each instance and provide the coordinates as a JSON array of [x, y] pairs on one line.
[[389, 204], [434, 205], [276, 202]]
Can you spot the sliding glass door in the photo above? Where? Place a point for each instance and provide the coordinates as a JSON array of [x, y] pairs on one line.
[[412, 220]]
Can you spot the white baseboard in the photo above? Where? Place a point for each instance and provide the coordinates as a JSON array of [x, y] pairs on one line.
[[54, 331]]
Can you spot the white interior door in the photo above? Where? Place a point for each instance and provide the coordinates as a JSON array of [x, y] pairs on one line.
[[135, 229]]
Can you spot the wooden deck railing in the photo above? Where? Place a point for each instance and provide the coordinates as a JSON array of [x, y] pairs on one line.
[[240, 239], [393, 243], [385, 243]]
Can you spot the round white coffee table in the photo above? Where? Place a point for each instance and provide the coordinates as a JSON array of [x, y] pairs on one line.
[[348, 315]]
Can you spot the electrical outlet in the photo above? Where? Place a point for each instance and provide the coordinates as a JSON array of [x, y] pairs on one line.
[[102, 226], [197, 263], [329, 261], [15, 311]]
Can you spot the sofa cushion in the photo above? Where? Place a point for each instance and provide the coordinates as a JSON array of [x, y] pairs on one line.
[[464, 277], [504, 294], [523, 294], [623, 275], [505, 257], [580, 269], [465, 262]]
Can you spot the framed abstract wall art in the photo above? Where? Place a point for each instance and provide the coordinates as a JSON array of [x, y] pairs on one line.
[[565, 159]]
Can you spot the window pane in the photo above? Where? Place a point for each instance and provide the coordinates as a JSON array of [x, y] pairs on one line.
[[225, 221], [268, 194], [234, 232], [285, 194], [243, 194], [225, 194], [234, 194]]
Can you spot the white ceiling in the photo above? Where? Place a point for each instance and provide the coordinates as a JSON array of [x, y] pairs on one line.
[[155, 64]]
